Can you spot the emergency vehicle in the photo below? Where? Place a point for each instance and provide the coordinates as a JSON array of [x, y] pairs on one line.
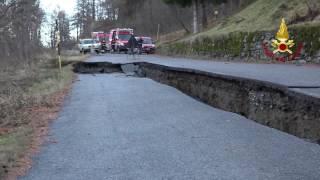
[[147, 45], [118, 39], [101, 37]]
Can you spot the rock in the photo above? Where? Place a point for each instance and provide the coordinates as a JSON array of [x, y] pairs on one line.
[[308, 59], [245, 40], [258, 46], [129, 69], [317, 60], [317, 18], [300, 62]]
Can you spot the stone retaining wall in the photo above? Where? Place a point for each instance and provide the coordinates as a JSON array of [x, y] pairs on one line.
[[245, 45]]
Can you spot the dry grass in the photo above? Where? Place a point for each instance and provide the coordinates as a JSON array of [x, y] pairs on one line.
[[262, 15], [22, 88], [173, 36]]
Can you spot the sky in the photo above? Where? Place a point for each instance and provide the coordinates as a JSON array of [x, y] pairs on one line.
[[49, 6]]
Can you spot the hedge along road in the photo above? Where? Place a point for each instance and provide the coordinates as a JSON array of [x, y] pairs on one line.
[[115, 126]]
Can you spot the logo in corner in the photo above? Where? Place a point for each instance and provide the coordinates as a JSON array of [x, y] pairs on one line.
[[282, 42], [282, 45]]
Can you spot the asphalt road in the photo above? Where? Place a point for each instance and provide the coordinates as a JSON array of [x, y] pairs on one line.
[[125, 128], [305, 79]]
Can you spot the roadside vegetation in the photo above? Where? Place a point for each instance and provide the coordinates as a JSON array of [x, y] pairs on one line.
[[30, 96], [32, 86], [239, 36], [265, 16]]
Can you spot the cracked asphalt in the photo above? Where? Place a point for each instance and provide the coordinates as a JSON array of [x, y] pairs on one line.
[[304, 79], [117, 127]]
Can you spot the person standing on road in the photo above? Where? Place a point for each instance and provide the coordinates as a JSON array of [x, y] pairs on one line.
[[132, 43], [140, 42], [113, 41]]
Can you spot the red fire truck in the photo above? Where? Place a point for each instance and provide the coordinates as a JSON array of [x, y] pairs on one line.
[[101, 37], [118, 39]]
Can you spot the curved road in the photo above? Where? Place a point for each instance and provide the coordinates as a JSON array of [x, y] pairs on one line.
[[115, 126], [304, 79]]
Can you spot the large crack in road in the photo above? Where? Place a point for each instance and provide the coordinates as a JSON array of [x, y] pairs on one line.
[[266, 103], [115, 126]]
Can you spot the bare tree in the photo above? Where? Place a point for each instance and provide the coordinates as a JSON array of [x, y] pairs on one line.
[[146, 15], [20, 25]]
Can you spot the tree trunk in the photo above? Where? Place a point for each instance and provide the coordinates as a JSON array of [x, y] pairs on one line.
[[179, 20], [231, 6], [93, 10], [204, 14], [240, 4], [195, 16], [77, 32], [151, 16]]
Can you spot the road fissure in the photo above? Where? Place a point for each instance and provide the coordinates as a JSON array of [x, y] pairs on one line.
[[265, 103]]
